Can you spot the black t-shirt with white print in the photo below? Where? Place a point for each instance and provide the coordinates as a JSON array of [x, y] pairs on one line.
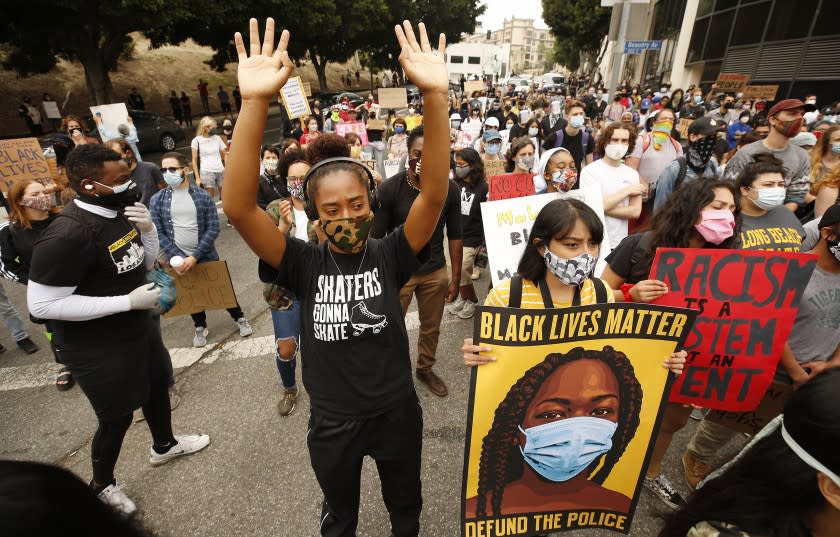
[[353, 342], [98, 256], [472, 225]]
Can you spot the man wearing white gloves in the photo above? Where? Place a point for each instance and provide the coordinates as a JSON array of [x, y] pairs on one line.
[[89, 275]]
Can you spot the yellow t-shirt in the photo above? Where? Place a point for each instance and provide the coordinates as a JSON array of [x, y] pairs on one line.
[[532, 297]]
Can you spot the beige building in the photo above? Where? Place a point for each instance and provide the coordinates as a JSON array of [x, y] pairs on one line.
[[525, 49]]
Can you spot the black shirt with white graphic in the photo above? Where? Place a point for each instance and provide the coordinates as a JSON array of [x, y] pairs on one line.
[[99, 257], [396, 196], [472, 226], [353, 342]]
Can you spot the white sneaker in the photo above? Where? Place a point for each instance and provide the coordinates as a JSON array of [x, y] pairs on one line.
[[467, 311], [245, 329], [456, 305], [187, 445], [476, 273], [113, 496], [200, 337]]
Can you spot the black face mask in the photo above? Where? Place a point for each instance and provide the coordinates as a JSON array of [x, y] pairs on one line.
[[118, 200]]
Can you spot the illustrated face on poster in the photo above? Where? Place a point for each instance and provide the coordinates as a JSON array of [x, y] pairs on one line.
[[561, 425]]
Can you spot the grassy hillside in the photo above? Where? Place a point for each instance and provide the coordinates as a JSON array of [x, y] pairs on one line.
[[153, 72]]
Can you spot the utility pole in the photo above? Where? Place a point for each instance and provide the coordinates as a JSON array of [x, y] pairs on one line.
[[618, 51]]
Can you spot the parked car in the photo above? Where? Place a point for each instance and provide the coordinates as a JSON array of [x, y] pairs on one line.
[[157, 133], [335, 98]]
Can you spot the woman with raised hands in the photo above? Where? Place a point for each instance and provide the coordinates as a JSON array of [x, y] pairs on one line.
[[353, 337]]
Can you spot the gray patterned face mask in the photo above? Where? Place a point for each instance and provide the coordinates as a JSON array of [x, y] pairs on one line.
[[572, 271]]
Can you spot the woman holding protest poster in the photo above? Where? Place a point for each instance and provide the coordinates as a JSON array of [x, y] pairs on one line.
[[520, 156], [700, 214], [353, 338], [786, 482], [555, 271], [556, 171]]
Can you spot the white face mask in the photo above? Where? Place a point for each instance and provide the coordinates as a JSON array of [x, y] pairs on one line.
[[616, 151], [770, 198], [533, 131]]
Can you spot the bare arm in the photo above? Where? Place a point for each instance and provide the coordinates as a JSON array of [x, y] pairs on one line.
[[634, 191], [429, 72], [826, 197], [631, 210], [195, 166], [260, 78]]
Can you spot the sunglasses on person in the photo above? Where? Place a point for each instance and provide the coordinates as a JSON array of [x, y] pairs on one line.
[[170, 170]]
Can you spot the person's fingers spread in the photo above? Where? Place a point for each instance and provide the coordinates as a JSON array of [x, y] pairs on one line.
[[424, 38], [254, 30], [268, 38], [400, 36], [409, 34]]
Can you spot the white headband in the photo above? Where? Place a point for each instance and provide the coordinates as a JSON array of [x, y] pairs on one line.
[[807, 458]]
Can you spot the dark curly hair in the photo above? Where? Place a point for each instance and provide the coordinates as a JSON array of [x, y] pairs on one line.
[[606, 136], [501, 461], [673, 224], [87, 161], [327, 146], [286, 161]]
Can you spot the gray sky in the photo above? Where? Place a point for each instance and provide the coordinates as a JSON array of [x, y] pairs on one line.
[[498, 10]]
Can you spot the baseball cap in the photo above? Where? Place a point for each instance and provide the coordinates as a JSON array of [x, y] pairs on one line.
[[491, 122], [645, 103], [790, 104], [492, 134], [706, 125], [831, 216], [455, 116]]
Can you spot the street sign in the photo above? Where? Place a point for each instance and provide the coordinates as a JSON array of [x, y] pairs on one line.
[[637, 47]]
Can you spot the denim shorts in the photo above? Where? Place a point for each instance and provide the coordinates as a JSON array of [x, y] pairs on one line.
[[286, 322], [212, 179]]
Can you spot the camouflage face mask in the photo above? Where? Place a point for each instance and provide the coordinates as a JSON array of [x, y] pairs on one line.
[[348, 234]]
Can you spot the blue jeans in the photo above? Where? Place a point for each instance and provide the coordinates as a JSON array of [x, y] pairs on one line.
[[10, 314], [286, 326]]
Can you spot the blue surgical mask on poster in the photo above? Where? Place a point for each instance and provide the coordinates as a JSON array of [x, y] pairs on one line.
[[560, 450]]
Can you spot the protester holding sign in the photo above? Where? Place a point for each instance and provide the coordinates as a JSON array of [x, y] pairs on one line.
[[785, 482], [700, 214], [812, 347], [398, 142], [556, 171], [520, 156], [619, 183], [353, 338], [77, 129], [469, 176]]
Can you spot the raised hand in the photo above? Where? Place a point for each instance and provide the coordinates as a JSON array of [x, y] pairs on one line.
[[420, 63], [261, 75]]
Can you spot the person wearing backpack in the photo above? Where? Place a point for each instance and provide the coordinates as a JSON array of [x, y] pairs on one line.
[[697, 162], [572, 135]]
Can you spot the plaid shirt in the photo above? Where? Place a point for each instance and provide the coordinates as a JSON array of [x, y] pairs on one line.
[[208, 224]]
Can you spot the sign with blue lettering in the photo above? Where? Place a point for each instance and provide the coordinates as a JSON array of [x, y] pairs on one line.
[[637, 47]]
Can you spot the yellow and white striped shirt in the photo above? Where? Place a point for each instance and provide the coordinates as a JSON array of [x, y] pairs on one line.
[[532, 298]]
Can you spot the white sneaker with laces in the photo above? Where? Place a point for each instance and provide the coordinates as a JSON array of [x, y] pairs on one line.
[[113, 496], [467, 311], [187, 445], [456, 305], [245, 329], [200, 337]]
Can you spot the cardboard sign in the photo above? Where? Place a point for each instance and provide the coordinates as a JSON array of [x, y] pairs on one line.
[[460, 140], [747, 303], [494, 168], [682, 127], [731, 82], [393, 98], [307, 89], [760, 93], [294, 98], [112, 115], [357, 128], [376, 125], [619, 349], [392, 167], [510, 185], [206, 287], [507, 227], [22, 158], [51, 110], [772, 404], [473, 85]]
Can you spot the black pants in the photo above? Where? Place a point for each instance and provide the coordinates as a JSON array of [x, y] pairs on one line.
[[200, 318], [394, 440], [108, 439]]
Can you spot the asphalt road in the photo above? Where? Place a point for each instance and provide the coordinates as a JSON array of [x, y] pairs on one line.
[[255, 478]]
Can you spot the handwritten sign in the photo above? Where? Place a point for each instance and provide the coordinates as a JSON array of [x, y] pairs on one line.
[[294, 98], [22, 158], [731, 82], [494, 168], [471, 86], [51, 109], [507, 226], [112, 115], [772, 404], [510, 185], [460, 140], [376, 125], [761, 93], [392, 167], [393, 98], [356, 128], [307, 89], [206, 287], [747, 302], [683, 126]]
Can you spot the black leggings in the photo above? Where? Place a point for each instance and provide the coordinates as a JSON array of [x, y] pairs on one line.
[[200, 318], [108, 439]]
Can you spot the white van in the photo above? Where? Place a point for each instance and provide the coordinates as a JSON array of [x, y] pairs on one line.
[[554, 81]]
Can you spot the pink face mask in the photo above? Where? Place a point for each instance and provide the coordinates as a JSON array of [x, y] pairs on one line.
[[717, 225]]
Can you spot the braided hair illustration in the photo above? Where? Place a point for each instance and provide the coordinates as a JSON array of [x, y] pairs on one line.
[[501, 461]]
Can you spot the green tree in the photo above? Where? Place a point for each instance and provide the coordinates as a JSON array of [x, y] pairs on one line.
[[94, 32], [578, 27]]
